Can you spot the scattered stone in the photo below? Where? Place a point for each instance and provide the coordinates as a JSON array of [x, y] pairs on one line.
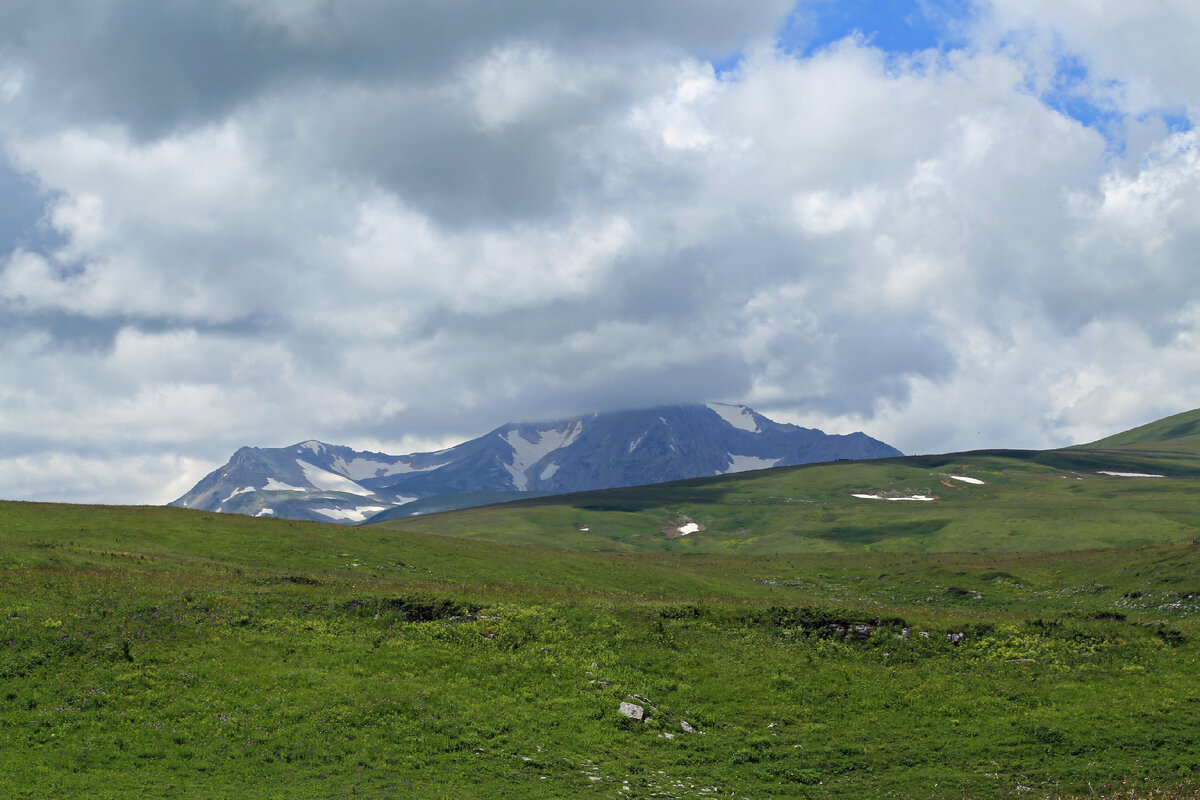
[[904, 633], [862, 631], [687, 728], [633, 711], [955, 638], [924, 634]]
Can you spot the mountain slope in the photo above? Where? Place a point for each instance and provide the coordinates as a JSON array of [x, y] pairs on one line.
[[981, 501], [323, 482]]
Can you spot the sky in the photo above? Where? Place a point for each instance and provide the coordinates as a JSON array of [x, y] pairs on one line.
[[396, 225]]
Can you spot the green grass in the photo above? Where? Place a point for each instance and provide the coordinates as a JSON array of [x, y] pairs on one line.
[[1027, 502], [176, 653], [1034, 636], [1178, 432]]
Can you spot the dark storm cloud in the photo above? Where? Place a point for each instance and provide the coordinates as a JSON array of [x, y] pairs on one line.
[[155, 66]]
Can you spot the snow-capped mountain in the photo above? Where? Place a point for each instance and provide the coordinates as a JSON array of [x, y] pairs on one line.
[[318, 481]]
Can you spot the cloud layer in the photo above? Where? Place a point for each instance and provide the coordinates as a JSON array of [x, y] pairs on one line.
[[394, 226]]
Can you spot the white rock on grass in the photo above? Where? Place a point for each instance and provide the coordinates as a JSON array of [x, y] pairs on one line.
[[633, 711]]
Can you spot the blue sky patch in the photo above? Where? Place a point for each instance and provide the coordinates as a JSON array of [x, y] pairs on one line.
[[894, 26], [1072, 96]]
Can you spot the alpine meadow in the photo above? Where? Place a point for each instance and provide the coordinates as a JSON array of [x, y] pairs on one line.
[[649, 399], [984, 624]]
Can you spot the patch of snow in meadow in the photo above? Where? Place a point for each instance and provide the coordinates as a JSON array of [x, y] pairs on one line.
[[330, 481], [527, 453], [266, 512], [277, 486], [691, 527], [924, 498], [737, 416], [1131, 474], [746, 463], [353, 514], [965, 479]]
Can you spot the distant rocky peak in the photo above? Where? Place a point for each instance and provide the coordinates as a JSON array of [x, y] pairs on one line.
[[318, 481]]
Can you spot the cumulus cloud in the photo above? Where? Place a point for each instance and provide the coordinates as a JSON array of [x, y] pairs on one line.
[[395, 226]]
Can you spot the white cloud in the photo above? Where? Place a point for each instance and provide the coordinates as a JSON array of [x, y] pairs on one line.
[[1146, 48], [64, 476], [542, 219]]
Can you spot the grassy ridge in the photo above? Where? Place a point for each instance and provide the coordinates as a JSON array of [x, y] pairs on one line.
[[1027, 501], [1180, 432]]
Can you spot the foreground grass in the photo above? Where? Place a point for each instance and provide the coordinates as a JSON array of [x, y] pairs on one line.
[[170, 653]]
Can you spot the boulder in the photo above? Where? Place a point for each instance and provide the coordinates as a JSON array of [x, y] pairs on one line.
[[633, 711]]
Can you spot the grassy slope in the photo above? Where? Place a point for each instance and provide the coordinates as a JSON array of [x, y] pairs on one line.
[[1180, 431], [166, 652], [1029, 501], [177, 653]]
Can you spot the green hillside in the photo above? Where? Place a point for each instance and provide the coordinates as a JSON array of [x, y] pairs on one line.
[[984, 501], [1179, 434], [837, 647]]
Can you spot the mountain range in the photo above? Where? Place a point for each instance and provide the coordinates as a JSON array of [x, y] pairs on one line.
[[323, 482]]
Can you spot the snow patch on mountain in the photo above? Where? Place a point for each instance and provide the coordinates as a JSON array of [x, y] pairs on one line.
[[527, 453], [549, 471], [353, 514], [739, 417], [236, 492], [746, 463], [330, 481], [359, 468], [278, 486]]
